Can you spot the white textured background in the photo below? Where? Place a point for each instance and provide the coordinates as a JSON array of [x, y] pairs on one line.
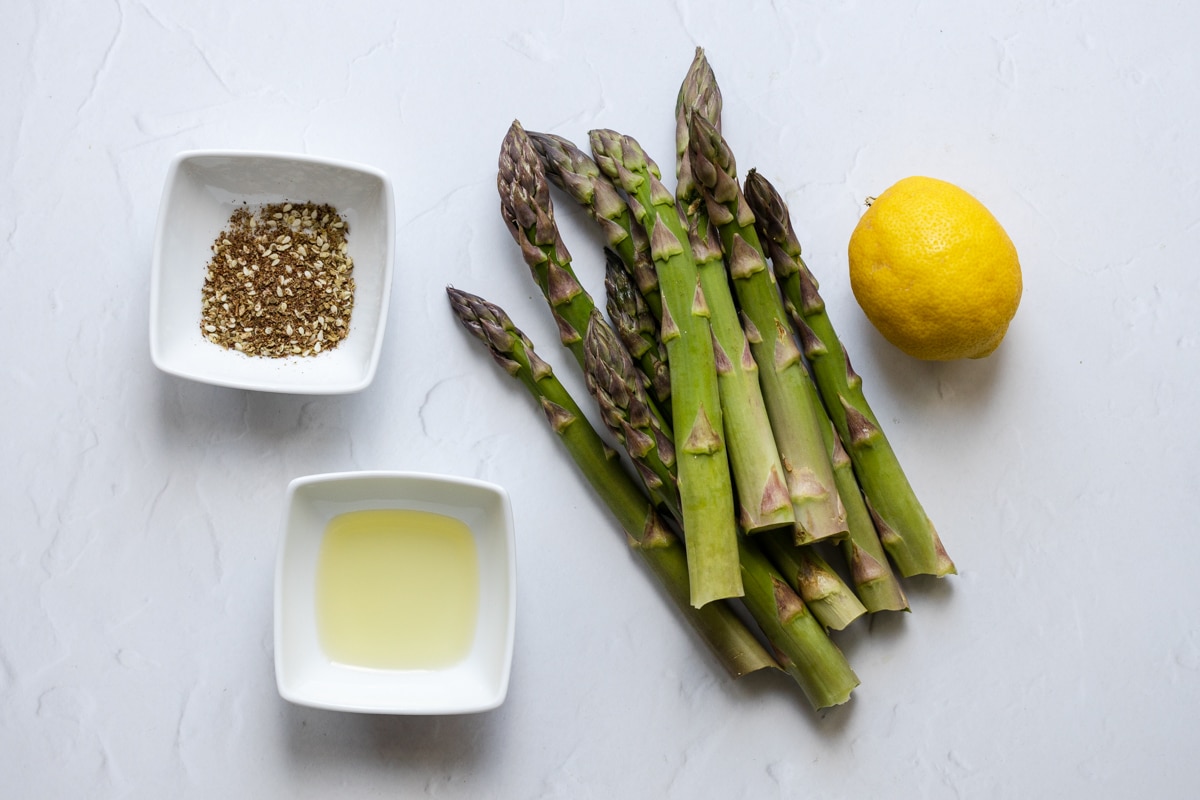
[[141, 512]]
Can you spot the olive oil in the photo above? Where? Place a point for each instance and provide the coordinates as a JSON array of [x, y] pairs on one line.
[[397, 589]]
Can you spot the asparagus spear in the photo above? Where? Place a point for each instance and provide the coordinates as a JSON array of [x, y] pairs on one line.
[[904, 528], [574, 171], [794, 417], [733, 644], [615, 383], [699, 94], [637, 328], [763, 497], [709, 520], [526, 207]]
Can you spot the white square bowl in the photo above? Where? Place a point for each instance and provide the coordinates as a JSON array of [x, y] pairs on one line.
[[305, 675], [202, 190]]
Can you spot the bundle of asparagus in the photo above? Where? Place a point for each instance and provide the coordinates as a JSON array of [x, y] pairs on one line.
[[747, 464]]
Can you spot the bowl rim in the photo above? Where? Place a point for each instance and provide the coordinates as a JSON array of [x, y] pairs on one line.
[[508, 532], [388, 218]]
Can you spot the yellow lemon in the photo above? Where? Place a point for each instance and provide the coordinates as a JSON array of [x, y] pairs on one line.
[[934, 272]]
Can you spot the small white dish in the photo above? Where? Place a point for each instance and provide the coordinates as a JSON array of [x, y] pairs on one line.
[[202, 190], [306, 675]]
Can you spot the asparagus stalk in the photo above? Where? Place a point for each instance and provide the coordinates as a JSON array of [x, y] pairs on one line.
[[616, 385], [526, 207], [637, 328], [874, 581], [794, 417], [763, 498], [729, 639], [903, 526], [709, 520], [574, 171], [820, 587], [765, 501]]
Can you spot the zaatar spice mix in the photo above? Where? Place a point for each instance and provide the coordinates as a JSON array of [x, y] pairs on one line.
[[280, 282]]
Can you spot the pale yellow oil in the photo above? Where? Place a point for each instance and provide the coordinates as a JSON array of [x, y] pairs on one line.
[[397, 589]]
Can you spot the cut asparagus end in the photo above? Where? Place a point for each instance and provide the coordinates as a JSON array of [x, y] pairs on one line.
[[874, 582], [831, 601]]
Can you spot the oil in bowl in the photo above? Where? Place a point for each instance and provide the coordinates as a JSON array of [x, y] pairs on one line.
[[395, 593], [397, 589]]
